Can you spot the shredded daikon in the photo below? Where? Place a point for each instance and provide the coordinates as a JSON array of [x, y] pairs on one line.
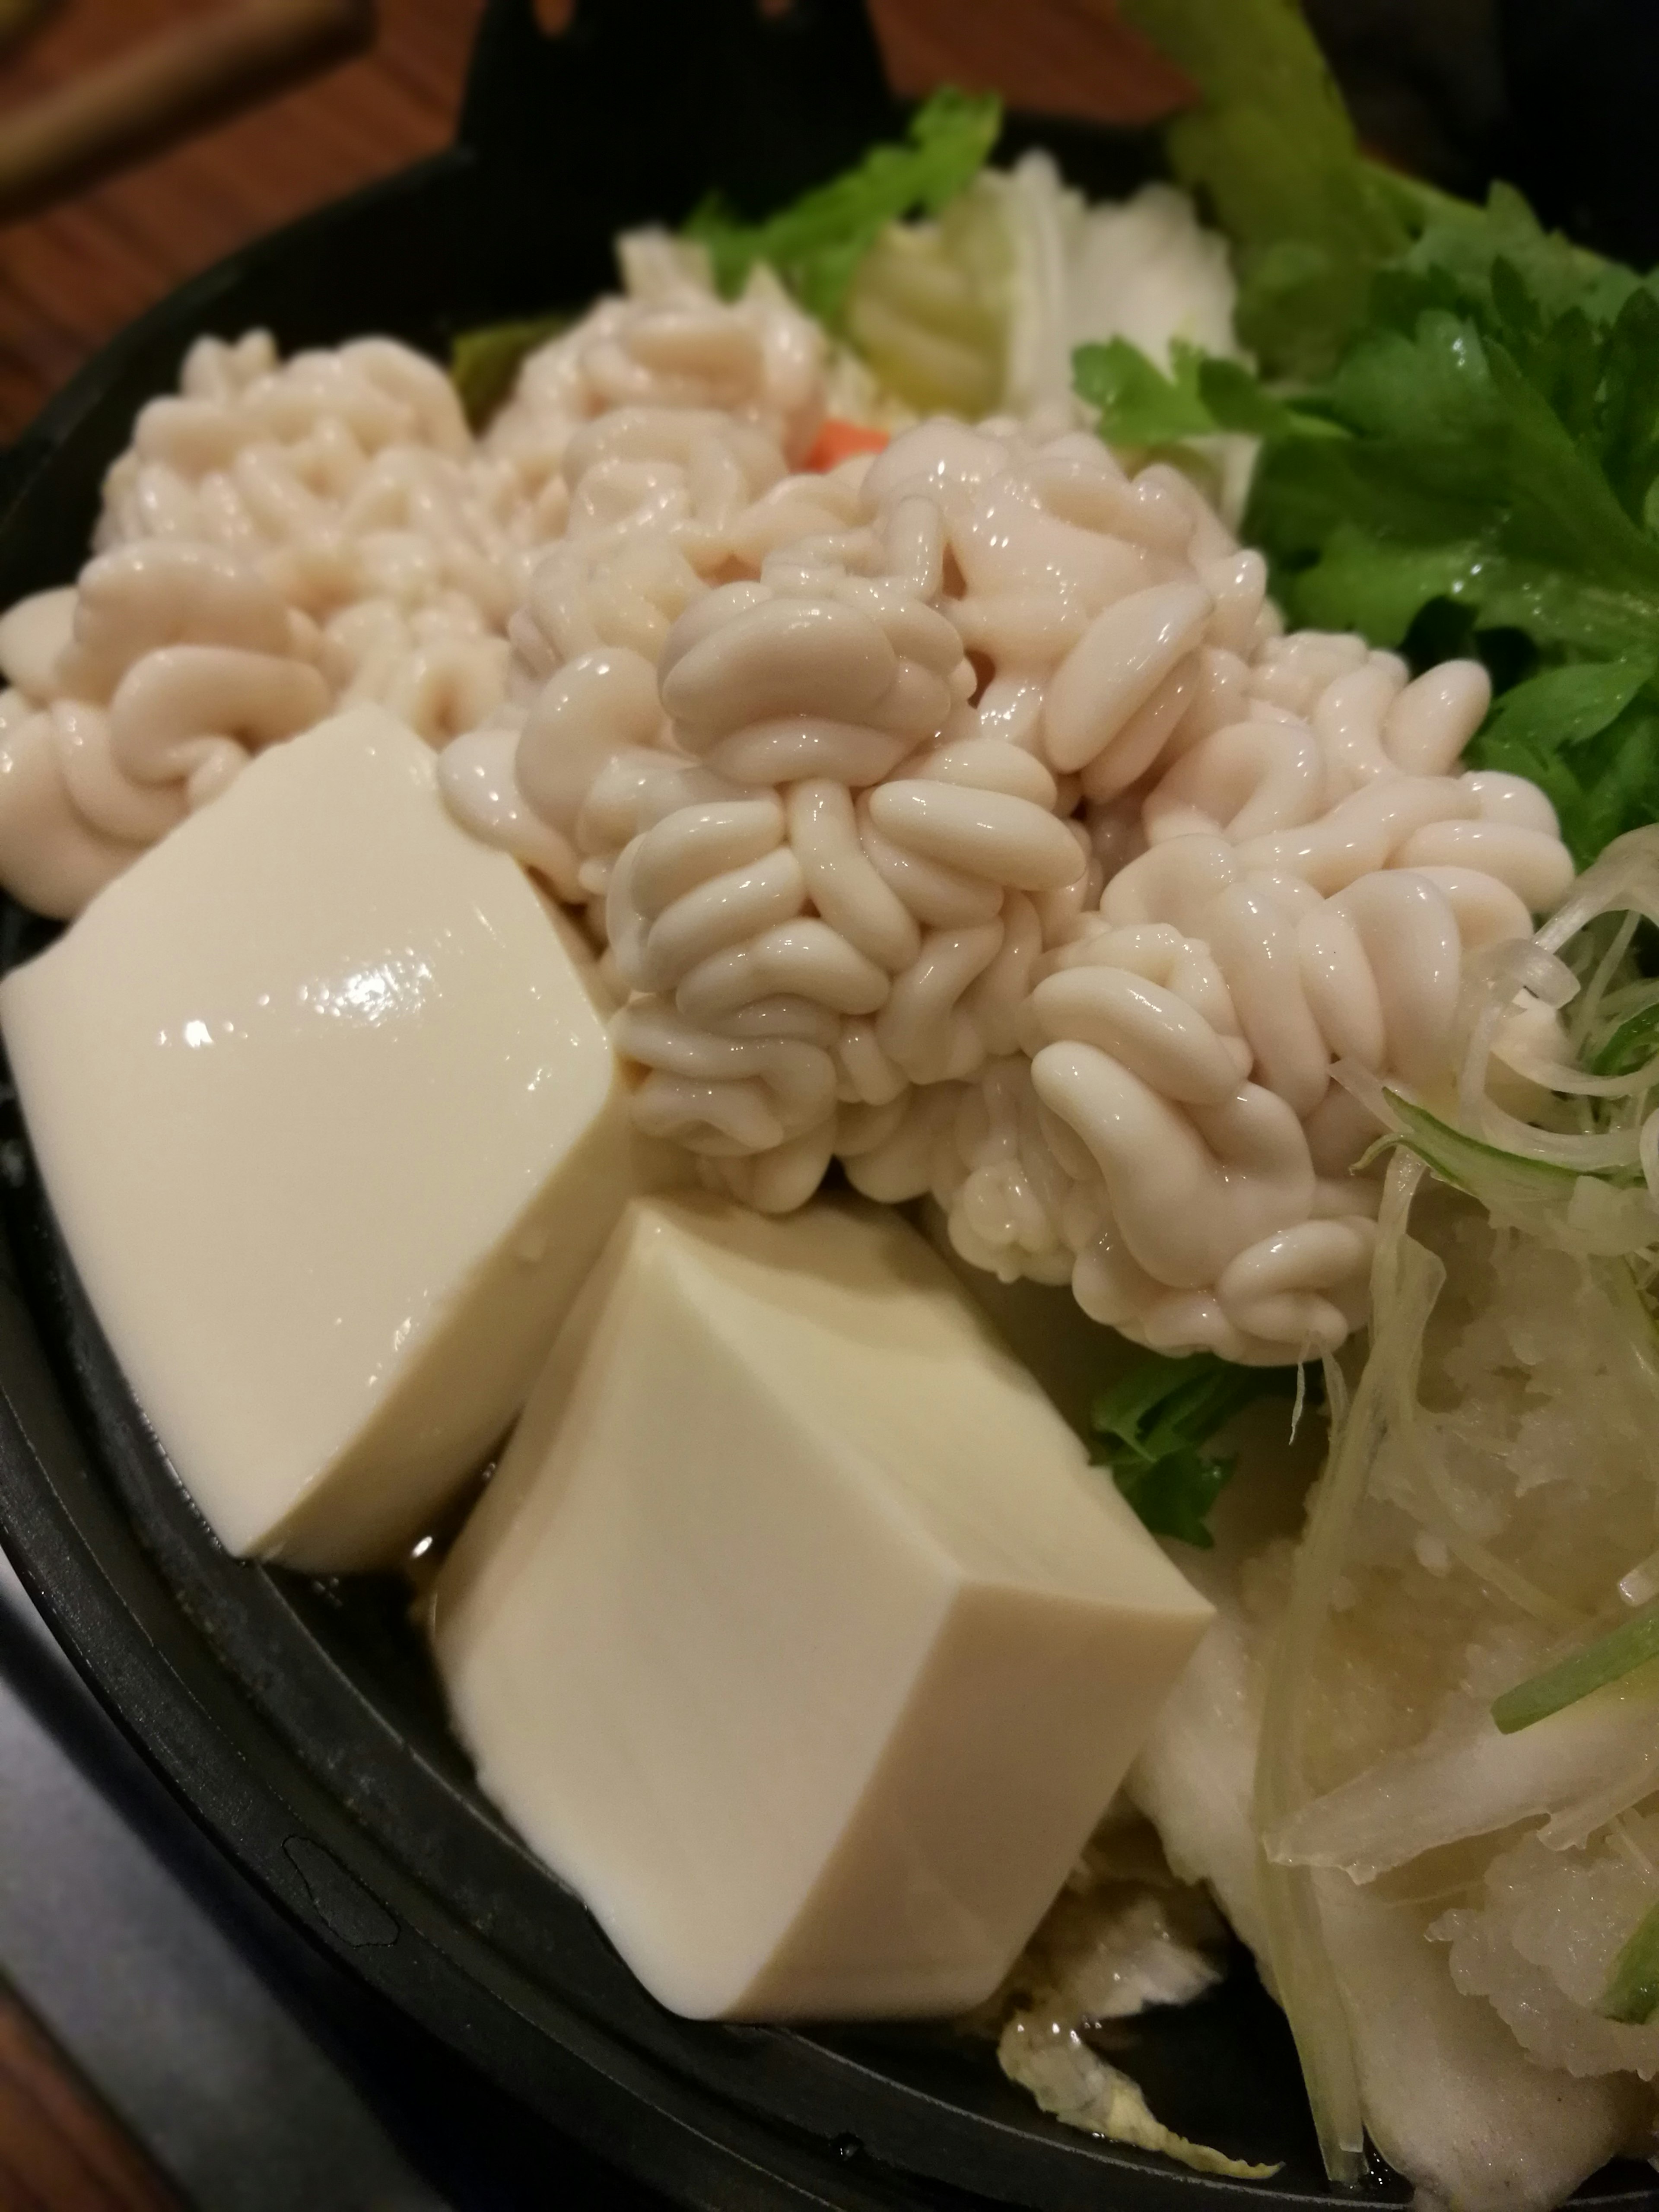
[[1402, 1295]]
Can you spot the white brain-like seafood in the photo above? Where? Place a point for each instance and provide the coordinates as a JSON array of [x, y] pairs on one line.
[[964, 816], [283, 537], [961, 814]]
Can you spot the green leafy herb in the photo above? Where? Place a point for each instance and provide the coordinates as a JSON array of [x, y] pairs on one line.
[[1634, 1643], [1139, 405], [1471, 461], [1454, 452], [1474, 255], [1152, 1429], [1488, 443], [1587, 735], [1271, 148], [1633, 1994], [483, 364], [1565, 705], [816, 244], [1503, 452]]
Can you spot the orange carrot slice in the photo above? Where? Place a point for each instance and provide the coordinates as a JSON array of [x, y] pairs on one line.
[[838, 441]]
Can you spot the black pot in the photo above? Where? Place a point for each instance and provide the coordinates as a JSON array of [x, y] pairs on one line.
[[299, 1720]]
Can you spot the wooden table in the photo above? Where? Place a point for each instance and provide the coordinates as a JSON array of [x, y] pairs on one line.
[[61, 2150], [72, 278]]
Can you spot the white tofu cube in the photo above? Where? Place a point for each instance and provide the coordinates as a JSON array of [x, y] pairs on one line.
[[795, 1631], [333, 1129]]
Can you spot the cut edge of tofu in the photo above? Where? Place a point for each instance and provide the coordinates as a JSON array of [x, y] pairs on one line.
[[1063, 1774], [322, 1532]]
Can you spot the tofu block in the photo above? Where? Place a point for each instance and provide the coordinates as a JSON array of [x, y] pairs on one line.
[[795, 1631], [333, 1130]]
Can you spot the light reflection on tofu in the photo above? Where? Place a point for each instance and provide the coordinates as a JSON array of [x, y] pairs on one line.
[[332, 1127], [795, 1631]]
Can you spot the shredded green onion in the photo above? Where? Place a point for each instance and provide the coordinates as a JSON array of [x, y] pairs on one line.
[[1594, 1209], [1630, 1046], [1466, 1162], [1632, 1995], [1609, 1659]]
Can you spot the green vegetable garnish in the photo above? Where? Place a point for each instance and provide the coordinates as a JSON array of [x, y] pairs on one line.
[[1471, 460], [1202, 394], [1586, 733], [483, 364], [1271, 148], [1600, 1211], [1609, 1659], [816, 244], [1463, 478], [1632, 1995], [1151, 1429], [1470, 1164], [1491, 464], [1630, 1046], [1139, 404]]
